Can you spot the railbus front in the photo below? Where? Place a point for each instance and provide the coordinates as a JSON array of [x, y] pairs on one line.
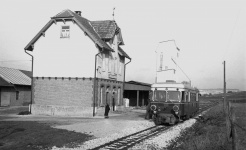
[[170, 103]]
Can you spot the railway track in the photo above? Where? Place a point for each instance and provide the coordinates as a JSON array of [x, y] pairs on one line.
[[129, 141], [205, 106]]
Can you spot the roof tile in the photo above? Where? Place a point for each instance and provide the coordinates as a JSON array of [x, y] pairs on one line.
[[106, 28]]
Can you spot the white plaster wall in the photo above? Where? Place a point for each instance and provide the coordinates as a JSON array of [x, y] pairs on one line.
[[103, 72], [64, 57]]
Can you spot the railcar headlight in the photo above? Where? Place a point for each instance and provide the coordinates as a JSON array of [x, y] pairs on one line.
[[153, 107], [176, 108]]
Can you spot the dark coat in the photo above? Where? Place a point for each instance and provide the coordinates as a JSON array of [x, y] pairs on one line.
[[107, 108], [148, 114]]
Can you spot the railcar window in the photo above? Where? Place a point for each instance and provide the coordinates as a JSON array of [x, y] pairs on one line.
[[173, 96], [193, 96], [187, 97], [183, 96], [160, 95], [150, 95]]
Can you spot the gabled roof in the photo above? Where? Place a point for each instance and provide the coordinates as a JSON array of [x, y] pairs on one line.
[[123, 53], [83, 23], [107, 29], [14, 76], [98, 31]]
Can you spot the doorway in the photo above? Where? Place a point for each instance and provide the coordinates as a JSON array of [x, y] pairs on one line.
[[5, 99]]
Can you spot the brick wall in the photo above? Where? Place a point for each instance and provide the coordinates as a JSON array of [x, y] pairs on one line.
[[63, 91]]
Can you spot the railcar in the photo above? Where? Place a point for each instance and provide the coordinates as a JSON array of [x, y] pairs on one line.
[[172, 102]]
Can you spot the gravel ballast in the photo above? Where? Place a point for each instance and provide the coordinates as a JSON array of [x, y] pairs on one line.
[[158, 142]]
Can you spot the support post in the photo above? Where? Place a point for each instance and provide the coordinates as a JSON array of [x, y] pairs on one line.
[[95, 87], [32, 83], [142, 98], [233, 130], [226, 107], [137, 98]]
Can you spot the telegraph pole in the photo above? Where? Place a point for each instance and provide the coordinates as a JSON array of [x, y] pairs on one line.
[[225, 105], [226, 108]]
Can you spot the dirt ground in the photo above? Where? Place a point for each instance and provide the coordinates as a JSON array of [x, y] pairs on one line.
[[44, 132]]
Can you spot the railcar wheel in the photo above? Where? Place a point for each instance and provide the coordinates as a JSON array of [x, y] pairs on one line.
[[186, 117], [157, 120]]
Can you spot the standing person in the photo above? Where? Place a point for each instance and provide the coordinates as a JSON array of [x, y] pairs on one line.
[[107, 108], [147, 114]]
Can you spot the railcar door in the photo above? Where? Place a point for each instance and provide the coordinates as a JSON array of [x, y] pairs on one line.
[[189, 105], [182, 104], [186, 105]]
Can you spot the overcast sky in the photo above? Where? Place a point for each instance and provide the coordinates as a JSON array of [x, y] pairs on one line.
[[206, 32]]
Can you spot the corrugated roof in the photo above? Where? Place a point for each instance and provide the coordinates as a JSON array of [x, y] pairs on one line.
[[28, 73], [14, 76]]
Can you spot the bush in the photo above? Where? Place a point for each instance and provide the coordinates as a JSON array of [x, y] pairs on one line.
[[24, 113]]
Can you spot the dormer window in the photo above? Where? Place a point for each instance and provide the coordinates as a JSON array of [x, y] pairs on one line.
[[65, 31]]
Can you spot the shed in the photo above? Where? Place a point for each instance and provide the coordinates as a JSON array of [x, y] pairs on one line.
[[15, 87], [137, 93]]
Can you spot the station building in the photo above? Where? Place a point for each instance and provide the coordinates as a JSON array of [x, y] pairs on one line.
[[78, 66]]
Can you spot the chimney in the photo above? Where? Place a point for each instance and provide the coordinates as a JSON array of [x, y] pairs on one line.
[[78, 13]]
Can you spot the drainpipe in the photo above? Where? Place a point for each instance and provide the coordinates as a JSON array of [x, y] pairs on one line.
[[31, 81], [125, 76], [94, 87]]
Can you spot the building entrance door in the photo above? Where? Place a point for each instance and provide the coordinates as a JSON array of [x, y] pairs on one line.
[[107, 98], [5, 99], [113, 104]]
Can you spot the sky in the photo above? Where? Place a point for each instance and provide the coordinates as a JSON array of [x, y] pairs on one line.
[[206, 32]]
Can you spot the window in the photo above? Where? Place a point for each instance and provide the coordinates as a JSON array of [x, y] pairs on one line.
[[160, 95], [65, 31], [119, 96], [120, 63], [183, 96], [188, 97], [192, 96], [196, 96], [115, 65], [173, 96], [103, 61], [151, 95], [110, 63], [101, 96], [17, 95]]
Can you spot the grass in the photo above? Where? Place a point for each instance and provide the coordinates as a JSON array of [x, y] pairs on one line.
[[30, 135], [210, 132]]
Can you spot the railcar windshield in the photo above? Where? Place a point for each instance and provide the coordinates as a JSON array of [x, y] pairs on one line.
[[160, 95], [173, 96]]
